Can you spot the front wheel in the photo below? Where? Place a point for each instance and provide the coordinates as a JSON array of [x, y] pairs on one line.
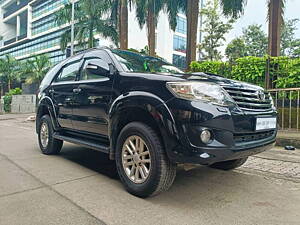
[[142, 163], [48, 144], [229, 165]]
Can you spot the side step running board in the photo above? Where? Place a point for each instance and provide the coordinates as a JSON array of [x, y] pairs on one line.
[[84, 143]]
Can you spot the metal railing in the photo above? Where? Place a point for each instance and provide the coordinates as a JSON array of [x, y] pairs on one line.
[[287, 102]]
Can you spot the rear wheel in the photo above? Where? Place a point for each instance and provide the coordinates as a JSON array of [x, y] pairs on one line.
[[142, 163], [229, 165], [48, 144]]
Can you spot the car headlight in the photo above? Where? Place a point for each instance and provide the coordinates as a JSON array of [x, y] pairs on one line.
[[202, 91]]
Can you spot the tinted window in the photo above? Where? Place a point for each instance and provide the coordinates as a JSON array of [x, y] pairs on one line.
[[88, 75], [134, 62], [69, 72]]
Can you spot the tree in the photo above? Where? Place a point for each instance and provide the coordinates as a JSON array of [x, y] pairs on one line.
[[147, 12], [191, 9], [119, 16], [275, 16], [123, 24], [256, 40], [192, 14], [253, 42], [9, 70], [230, 8], [289, 43], [91, 17], [236, 49], [36, 68], [215, 29]]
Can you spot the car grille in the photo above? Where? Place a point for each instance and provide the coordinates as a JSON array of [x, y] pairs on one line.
[[249, 99], [240, 138]]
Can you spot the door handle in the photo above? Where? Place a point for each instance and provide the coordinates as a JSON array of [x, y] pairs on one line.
[[77, 90]]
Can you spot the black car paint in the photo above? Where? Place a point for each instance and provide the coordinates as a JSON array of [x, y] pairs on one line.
[[179, 121]]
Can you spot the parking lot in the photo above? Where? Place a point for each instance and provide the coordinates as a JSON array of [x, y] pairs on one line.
[[80, 186]]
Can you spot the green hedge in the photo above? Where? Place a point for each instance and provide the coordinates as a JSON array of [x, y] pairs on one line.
[[286, 71], [8, 97]]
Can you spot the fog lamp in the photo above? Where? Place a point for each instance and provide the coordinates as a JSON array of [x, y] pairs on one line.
[[205, 136]]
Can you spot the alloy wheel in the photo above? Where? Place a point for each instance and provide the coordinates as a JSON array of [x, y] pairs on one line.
[[44, 135], [136, 159]]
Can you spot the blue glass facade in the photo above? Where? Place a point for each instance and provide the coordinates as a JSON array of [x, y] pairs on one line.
[[179, 61], [43, 24], [179, 43], [47, 6], [181, 25], [42, 21]]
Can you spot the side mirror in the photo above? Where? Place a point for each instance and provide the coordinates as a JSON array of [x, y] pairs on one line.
[[98, 67]]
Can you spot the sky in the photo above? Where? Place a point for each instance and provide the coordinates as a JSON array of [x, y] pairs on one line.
[[256, 12]]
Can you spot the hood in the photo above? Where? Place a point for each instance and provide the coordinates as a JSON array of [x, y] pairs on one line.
[[201, 77], [220, 80]]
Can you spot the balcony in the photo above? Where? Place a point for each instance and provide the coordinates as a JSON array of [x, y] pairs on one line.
[[14, 8]]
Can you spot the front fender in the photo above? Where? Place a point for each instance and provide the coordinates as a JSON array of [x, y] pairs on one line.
[[46, 102], [154, 106]]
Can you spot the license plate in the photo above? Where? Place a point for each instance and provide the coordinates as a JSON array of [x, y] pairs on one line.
[[266, 123]]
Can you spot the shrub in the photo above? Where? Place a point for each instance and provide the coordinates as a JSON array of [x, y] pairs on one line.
[[8, 97], [250, 69], [285, 71], [215, 67]]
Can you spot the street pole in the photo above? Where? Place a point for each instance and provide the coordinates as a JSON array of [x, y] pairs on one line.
[[72, 27], [200, 26]]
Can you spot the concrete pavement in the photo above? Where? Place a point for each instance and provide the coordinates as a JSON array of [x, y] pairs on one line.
[[80, 186]]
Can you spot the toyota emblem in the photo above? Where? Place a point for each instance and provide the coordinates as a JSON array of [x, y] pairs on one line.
[[261, 95]]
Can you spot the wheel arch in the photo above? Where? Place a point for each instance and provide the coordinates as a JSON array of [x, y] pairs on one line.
[[141, 107], [46, 107]]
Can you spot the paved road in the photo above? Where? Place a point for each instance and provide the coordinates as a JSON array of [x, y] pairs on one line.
[[80, 187]]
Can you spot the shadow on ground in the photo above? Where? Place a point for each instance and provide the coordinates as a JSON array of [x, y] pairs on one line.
[[93, 160]]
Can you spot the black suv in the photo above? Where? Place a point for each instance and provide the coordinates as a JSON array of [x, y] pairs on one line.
[[149, 116]]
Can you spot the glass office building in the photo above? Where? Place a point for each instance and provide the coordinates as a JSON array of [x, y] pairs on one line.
[[180, 42], [28, 28]]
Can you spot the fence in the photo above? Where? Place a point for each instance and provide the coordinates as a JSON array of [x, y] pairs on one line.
[[287, 102]]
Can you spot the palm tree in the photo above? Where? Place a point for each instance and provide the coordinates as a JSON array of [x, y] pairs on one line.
[[191, 9], [147, 12], [119, 16], [90, 18], [36, 68], [275, 16], [9, 70]]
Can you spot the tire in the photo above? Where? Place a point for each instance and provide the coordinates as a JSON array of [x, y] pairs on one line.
[[161, 171], [52, 146], [229, 165]]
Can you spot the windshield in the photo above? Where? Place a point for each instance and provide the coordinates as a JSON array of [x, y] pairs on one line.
[[135, 62]]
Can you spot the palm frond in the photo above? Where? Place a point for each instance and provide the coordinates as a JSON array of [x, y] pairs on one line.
[[233, 8]]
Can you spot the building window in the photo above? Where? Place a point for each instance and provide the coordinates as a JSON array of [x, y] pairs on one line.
[[179, 61], [181, 25], [179, 44]]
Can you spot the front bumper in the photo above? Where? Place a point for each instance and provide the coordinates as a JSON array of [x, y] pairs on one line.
[[208, 156], [234, 134]]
